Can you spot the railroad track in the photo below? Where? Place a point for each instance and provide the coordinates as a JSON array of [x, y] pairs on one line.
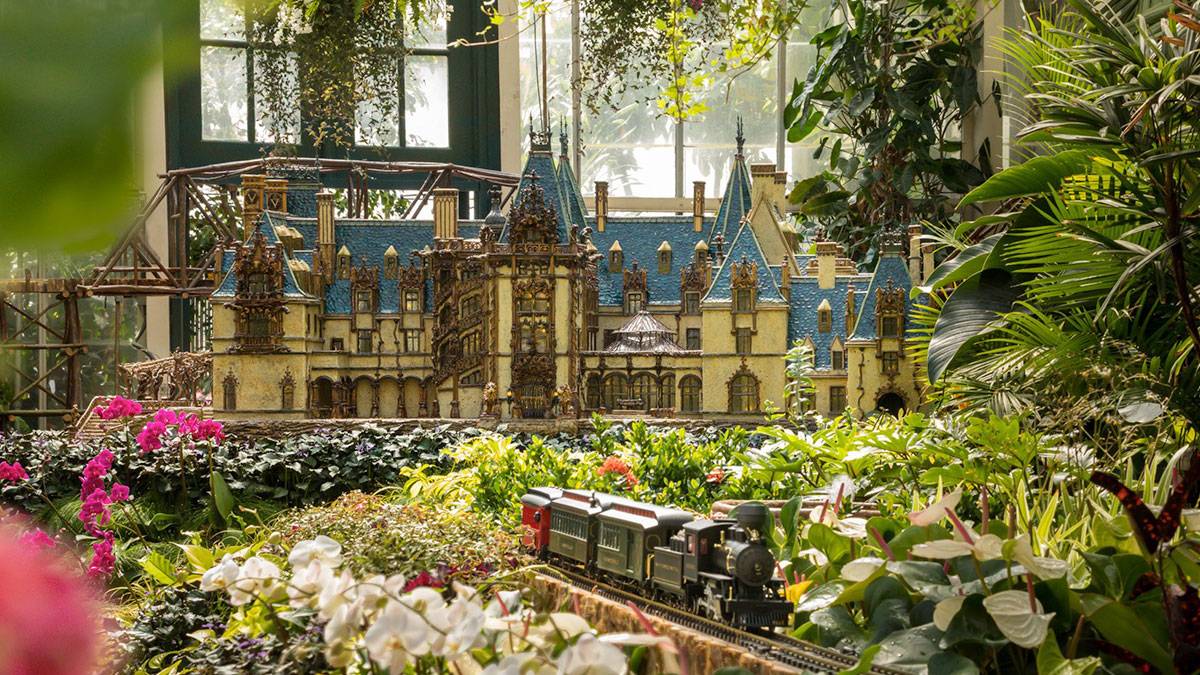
[[789, 651]]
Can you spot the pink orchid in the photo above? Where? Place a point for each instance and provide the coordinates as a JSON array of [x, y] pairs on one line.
[[119, 493]]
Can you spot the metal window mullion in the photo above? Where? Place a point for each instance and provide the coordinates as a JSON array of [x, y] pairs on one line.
[[781, 93], [402, 100], [679, 159]]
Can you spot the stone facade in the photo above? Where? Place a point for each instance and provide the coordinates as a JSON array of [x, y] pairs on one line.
[[551, 311]]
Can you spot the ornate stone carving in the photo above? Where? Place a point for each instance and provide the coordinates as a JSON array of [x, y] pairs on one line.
[[258, 301], [743, 274], [634, 279], [531, 221], [491, 400]]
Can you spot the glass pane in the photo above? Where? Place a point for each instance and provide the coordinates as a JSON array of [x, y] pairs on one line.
[[221, 20], [632, 148], [800, 57], [223, 114], [710, 142], [430, 34], [379, 125], [558, 71], [276, 126], [427, 102]]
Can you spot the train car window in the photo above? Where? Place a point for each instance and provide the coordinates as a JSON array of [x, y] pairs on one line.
[[703, 547], [691, 543]]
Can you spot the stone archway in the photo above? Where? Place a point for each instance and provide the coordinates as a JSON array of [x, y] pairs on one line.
[[890, 402]]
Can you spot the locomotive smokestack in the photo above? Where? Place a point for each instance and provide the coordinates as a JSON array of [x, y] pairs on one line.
[[752, 516]]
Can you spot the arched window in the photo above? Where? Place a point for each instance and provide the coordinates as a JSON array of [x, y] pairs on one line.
[[287, 391], [743, 393], [666, 392], [614, 390], [229, 386], [593, 392], [689, 394], [643, 390]]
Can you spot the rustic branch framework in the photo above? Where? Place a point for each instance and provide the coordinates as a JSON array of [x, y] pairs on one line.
[[194, 198]]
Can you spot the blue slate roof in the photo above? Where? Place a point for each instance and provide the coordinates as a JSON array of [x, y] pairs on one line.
[[640, 238], [807, 295], [735, 202], [891, 267], [576, 210], [745, 247], [266, 225], [540, 170]]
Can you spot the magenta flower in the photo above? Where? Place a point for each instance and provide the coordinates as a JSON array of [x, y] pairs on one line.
[[210, 430], [119, 407], [13, 472], [103, 561], [150, 438], [166, 416], [119, 493]]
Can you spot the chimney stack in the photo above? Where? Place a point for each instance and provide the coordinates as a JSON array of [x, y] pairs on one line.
[[253, 186], [445, 213], [785, 278], [601, 205], [914, 253], [827, 255], [698, 206], [325, 237], [276, 197]]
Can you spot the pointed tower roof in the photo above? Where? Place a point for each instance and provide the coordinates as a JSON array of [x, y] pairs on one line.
[[745, 248], [890, 272], [540, 170], [576, 209], [735, 202]]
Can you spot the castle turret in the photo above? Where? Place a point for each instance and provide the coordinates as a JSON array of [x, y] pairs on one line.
[[445, 213], [325, 236]]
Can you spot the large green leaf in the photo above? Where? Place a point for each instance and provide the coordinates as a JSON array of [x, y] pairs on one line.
[[223, 499], [968, 262], [968, 313], [1050, 661], [1122, 626], [1035, 176]]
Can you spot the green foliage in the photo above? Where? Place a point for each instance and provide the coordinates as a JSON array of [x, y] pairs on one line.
[[890, 82], [1081, 310], [385, 536]]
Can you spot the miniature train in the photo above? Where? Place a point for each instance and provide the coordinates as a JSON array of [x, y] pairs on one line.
[[720, 569]]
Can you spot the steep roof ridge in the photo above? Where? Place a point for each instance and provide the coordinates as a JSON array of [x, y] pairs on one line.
[[576, 209], [745, 245], [540, 170], [891, 266], [735, 202]]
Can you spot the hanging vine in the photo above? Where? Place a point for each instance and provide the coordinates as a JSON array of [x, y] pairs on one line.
[[338, 60]]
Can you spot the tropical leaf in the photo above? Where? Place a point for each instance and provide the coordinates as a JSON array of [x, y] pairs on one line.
[[969, 312], [1035, 176]]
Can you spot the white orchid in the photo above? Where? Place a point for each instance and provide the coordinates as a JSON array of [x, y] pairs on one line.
[[323, 549], [220, 576], [258, 578], [464, 627], [590, 656], [337, 591], [398, 634], [306, 585]]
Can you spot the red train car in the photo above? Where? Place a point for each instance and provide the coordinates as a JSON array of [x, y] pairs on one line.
[[535, 517]]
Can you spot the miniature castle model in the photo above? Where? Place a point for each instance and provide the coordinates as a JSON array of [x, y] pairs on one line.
[[551, 311]]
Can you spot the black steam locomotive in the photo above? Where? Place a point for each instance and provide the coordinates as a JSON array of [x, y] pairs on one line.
[[716, 568]]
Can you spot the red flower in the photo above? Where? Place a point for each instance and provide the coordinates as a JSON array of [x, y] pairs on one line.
[[617, 465]]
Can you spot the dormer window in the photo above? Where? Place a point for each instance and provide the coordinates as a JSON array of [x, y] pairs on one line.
[[634, 301], [837, 358], [824, 317], [391, 263], [664, 258], [412, 300], [889, 326], [364, 302], [343, 263], [616, 257], [743, 300]]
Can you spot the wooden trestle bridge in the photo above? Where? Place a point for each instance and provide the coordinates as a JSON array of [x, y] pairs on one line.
[[41, 316]]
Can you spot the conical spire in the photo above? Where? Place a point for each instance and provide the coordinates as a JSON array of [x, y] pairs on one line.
[[741, 138]]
